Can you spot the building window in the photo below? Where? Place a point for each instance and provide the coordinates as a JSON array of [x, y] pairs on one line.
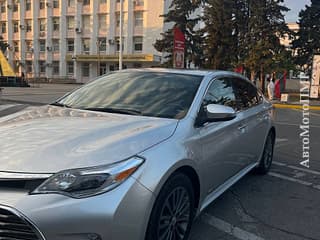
[[86, 23], [137, 65], [138, 44], [117, 20], [71, 3], [70, 46], [42, 66], [103, 1], [55, 3], [85, 69], [56, 24], [29, 67], [42, 25], [139, 3], [103, 69], [86, 45], [118, 44], [42, 45], [102, 44], [42, 4], [103, 22], [28, 25], [56, 45], [55, 67], [3, 7], [70, 68], [16, 46], [28, 5], [3, 27], [15, 26], [138, 19], [86, 2], [15, 7], [29, 46], [70, 23]]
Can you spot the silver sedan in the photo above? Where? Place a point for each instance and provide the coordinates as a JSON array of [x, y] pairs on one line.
[[135, 154]]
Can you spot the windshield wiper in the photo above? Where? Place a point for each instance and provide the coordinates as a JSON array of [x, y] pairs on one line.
[[57, 104], [115, 110]]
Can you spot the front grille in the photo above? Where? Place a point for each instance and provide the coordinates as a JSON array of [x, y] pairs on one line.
[[15, 227], [28, 185]]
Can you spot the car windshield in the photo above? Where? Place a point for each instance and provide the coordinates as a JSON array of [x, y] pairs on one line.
[[155, 94]]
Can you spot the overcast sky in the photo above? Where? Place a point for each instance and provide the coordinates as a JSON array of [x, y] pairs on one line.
[[295, 6]]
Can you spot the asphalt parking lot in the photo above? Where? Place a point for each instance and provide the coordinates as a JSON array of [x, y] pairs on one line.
[[283, 205]]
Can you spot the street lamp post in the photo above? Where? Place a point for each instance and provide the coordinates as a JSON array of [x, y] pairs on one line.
[[121, 33]]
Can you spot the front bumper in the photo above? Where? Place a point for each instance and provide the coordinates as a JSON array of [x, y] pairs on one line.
[[122, 213]]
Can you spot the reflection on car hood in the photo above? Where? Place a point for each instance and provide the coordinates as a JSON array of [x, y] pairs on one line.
[[50, 139]]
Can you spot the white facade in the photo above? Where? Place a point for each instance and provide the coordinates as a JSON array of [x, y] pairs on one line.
[[79, 38]]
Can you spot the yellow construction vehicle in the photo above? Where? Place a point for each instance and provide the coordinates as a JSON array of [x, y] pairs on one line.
[[8, 78], [5, 68]]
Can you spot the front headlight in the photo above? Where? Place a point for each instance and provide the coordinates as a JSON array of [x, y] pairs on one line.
[[87, 182]]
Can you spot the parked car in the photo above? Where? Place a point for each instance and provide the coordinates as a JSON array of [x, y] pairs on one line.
[[135, 154]]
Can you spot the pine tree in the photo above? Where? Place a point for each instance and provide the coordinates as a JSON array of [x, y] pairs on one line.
[[181, 15], [308, 38], [220, 41], [266, 26]]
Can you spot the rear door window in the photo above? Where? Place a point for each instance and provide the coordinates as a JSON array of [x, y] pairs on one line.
[[247, 95]]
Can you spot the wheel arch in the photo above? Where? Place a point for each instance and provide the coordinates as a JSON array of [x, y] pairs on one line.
[[195, 180]]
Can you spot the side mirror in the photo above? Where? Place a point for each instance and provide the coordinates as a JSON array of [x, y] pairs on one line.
[[219, 113]]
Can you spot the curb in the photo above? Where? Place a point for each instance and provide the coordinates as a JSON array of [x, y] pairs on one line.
[[294, 106]]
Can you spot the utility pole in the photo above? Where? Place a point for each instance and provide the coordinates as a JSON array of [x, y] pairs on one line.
[[121, 33]]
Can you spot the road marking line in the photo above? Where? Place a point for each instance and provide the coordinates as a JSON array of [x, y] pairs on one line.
[[277, 175], [296, 168], [279, 140], [279, 164], [229, 228]]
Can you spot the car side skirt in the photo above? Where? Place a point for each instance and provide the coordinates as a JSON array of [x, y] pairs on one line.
[[224, 187]]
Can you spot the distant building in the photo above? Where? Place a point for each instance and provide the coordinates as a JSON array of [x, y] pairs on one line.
[[287, 42], [79, 38]]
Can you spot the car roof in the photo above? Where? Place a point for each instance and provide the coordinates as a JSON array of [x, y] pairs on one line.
[[203, 73]]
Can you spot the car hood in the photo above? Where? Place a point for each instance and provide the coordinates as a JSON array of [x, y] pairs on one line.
[[49, 139]]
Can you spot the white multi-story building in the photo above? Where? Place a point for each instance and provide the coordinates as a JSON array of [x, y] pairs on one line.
[[79, 39]]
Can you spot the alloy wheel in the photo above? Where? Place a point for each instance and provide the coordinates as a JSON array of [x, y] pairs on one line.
[[175, 215]]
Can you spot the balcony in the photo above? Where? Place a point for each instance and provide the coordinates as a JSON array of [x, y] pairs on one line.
[[86, 9], [138, 31], [56, 34], [28, 15], [56, 12], [56, 56], [15, 16], [103, 32], [5, 36], [3, 16], [29, 35], [42, 56], [71, 11], [16, 36], [138, 5], [71, 33], [42, 13], [103, 8]]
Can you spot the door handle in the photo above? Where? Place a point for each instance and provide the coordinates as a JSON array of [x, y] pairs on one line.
[[242, 127]]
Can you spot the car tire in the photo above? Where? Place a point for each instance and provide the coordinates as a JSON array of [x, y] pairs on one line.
[[173, 211], [267, 156]]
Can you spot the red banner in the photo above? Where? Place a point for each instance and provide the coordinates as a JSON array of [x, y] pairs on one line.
[[179, 48]]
